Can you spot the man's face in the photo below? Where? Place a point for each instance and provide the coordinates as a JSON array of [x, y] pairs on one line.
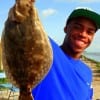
[[80, 33]]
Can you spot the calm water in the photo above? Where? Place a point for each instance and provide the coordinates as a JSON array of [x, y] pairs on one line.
[[94, 56]]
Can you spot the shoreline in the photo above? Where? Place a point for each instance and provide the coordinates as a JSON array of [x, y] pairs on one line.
[[93, 56]]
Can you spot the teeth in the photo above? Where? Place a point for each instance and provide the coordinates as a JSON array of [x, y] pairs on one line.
[[79, 42]]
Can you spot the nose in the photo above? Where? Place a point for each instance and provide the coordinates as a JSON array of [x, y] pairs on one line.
[[83, 33]]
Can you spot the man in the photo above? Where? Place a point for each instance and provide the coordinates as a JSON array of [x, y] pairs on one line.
[[69, 78]]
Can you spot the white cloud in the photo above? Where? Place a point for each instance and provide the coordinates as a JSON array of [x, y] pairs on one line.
[[48, 12]]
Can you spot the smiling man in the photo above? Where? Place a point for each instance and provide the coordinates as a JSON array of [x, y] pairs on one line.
[[69, 78], [80, 31]]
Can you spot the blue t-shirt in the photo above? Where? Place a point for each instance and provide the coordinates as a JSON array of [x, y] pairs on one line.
[[68, 79]]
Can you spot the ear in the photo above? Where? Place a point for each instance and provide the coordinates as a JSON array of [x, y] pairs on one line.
[[65, 29]]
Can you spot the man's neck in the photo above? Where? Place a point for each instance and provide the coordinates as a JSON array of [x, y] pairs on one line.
[[70, 52]]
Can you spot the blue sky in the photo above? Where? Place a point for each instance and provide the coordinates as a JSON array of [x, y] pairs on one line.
[[53, 15]]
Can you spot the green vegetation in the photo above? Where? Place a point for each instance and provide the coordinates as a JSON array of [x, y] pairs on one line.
[[3, 80], [98, 65], [1, 71], [92, 61]]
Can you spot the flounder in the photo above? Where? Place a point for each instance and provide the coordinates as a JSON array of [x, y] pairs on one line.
[[26, 50]]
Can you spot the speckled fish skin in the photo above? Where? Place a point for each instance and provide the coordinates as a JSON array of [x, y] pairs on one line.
[[26, 51]]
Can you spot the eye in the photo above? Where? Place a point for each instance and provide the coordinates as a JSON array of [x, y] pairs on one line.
[[77, 27], [90, 32]]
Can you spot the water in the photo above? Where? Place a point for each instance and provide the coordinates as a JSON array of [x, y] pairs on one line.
[[94, 56]]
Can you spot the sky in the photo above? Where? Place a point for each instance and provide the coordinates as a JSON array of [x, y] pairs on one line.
[[53, 15]]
